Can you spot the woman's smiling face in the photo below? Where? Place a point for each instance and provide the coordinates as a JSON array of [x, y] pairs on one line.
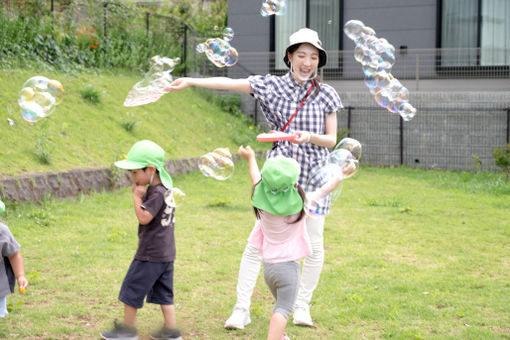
[[304, 62]]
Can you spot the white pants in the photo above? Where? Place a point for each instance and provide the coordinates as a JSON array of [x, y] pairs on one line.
[[312, 266]]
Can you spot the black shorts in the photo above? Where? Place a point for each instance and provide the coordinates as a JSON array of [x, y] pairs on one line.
[[148, 279]]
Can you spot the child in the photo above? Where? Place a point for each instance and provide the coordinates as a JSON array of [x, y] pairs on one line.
[[151, 271], [279, 233], [11, 266]]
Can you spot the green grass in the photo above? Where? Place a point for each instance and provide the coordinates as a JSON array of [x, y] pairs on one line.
[[96, 131], [410, 254]]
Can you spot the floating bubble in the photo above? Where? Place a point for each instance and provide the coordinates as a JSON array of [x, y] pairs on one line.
[[228, 34], [151, 88], [217, 164], [377, 56], [219, 51], [352, 145], [174, 197], [353, 29], [276, 7], [341, 164], [38, 97]]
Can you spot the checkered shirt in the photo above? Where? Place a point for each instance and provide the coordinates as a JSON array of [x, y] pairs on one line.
[[279, 97]]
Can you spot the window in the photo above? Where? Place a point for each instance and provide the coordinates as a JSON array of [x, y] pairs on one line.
[[322, 16], [474, 33]]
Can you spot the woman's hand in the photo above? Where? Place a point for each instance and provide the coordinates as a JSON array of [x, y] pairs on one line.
[[178, 84], [302, 137], [22, 283]]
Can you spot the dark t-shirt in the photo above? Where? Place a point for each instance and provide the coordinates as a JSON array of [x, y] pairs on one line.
[[156, 241]]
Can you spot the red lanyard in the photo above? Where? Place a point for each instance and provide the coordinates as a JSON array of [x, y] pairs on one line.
[[299, 107]]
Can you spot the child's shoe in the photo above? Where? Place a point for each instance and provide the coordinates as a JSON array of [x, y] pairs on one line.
[[167, 334], [120, 332]]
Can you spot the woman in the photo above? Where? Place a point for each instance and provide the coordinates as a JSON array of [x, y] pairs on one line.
[[314, 125]]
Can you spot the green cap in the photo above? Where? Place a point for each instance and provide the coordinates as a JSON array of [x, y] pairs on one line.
[[276, 193], [2, 207], [143, 154]]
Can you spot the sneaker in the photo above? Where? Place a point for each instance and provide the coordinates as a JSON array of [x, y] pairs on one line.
[[302, 316], [240, 317], [120, 332], [167, 334]]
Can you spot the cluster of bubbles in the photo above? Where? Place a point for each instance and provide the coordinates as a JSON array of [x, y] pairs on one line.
[[174, 197], [217, 164], [38, 97], [219, 51], [276, 7], [151, 88], [377, 57], [341, 163]]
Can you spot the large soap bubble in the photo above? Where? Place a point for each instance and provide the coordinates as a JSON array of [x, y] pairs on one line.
[[217, 164], [377, 57], [276, 7], [38, 97], [341, 164], [150, 89], [219, 51]]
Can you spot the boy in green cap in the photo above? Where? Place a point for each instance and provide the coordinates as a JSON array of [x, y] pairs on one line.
[[279, 233], [11, 265], [151, 271]]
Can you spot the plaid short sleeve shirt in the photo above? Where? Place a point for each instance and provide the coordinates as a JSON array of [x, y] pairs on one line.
[[279, 97]]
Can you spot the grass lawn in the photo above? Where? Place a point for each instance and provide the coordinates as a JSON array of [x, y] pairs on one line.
[[410, 254]]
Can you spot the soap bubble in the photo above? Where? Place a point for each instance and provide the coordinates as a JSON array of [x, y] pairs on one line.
[[151, 88], [352, 145], [219, 51], [270, 7], [377, 57], [38, 97], [217, 164], [174, 197], [341, 163]]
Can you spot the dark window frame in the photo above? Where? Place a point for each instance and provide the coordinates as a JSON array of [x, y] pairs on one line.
[[463, 70]]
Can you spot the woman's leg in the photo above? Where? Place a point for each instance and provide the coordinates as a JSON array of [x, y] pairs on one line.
[[248, 272], [312, 267]]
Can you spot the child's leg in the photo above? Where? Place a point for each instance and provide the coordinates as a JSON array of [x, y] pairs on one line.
[[282, 279], [3, 306], [276, 326], [129, 315], [169, 315]]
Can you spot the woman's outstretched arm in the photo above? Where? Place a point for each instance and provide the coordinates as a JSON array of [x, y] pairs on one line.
[[216, 83]]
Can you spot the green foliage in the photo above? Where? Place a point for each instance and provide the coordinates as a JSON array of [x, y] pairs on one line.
[[129, 122], [43, 148], [502, 158], [91, 94]]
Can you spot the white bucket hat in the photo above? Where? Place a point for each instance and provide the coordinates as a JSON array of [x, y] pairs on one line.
[[306, 35]]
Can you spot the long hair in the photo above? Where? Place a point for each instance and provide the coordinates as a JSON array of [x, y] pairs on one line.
[[317, 79], [301, 193]]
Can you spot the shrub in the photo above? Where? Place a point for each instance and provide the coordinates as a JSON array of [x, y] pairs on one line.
[[502, 158], [91, 95]]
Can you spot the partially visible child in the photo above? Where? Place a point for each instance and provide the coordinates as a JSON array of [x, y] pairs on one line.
[[280, 233], [152, 270], [11, 265]]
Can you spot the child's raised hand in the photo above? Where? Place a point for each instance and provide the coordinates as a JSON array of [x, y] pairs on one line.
[[246, 152]]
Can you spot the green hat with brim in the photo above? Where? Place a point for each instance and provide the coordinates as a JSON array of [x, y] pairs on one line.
[[276, 193], [143, 154], [2, 207]]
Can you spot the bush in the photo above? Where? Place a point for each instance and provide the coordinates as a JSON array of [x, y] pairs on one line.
[[502, 158]]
